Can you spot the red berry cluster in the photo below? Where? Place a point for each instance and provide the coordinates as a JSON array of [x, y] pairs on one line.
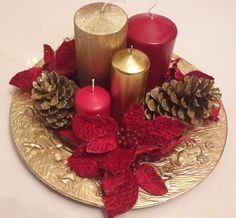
[[127, 138]]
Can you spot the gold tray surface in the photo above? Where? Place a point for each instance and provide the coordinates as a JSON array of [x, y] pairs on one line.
[[45, 155]]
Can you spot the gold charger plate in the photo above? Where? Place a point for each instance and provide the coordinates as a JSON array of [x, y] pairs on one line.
[[46, 156]]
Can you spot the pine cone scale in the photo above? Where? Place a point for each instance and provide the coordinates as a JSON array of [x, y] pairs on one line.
[[45, 105], [174, 98], [151, 105]]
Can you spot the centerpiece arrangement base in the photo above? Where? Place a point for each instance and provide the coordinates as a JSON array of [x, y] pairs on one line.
[[46, 155]]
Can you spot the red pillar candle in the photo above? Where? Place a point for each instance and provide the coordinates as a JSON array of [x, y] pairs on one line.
[[154, 35], [91, 101]]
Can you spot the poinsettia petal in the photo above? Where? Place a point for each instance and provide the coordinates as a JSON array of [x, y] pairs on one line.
[[102, 144], [164, 150], [111, 183], [170, 146], [153, 137], [215, 112], [154, 155], [88, 129], [118, 160], [174, 125], [150, 181], [134, 117], [48, 53], [165, 128], [65, 57], [120, 192], [69, 136], [84, 166], [199, 74], [174, 72], [49, 58], [80, 151], [178, 74], [145, 148], [24, 79]]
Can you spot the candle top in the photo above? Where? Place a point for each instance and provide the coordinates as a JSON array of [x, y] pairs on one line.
[[93, 99], [130, 61], [100, 19], [151, 29]]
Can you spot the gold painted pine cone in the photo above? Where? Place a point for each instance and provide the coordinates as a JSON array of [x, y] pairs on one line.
[[53, 98], [190, 100]]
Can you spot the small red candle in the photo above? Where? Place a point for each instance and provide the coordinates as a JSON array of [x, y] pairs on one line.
[[92, 100], [154, 35]]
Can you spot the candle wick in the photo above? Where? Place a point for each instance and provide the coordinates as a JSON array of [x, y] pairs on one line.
[[105, 4], [131, 49], [93, 85], [103, 7], [149, 11], [119, 1]]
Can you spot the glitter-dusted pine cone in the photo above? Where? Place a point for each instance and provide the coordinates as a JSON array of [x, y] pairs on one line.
[[53, 98], [190, 100]]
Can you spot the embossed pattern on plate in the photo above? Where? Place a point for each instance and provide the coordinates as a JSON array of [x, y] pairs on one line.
[[45, 155]]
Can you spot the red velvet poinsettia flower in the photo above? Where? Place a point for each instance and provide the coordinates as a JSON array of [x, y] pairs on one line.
[[62, 61], [116, 154]]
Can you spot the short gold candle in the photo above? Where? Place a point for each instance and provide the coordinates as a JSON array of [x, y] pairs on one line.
[[100, 30], [129, 75]]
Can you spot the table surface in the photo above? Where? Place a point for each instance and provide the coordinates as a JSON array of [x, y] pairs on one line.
[[206, 38]]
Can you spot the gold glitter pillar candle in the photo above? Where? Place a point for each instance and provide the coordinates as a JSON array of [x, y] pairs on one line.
[[128, 80], [100, 30]]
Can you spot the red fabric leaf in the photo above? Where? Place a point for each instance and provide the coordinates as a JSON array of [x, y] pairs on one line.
[[24, 79], [164, 129], [49, 58], [134, 117], [118, 160], [84, 166], [80, 151], [111, 183], [164, 150], [102, 144], [145, 148], [174, 72], [215, 112], [170, 146], [120, 192], [90, 165], [65, 57], [62, 61], [160, 138], [88, 129], [154, 155], [68, 135], [173, 125], [48, 53], [199, 74], [150, 181], [178, 74]]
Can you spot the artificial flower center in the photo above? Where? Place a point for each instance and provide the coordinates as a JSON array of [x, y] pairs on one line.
[[127, 138]]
